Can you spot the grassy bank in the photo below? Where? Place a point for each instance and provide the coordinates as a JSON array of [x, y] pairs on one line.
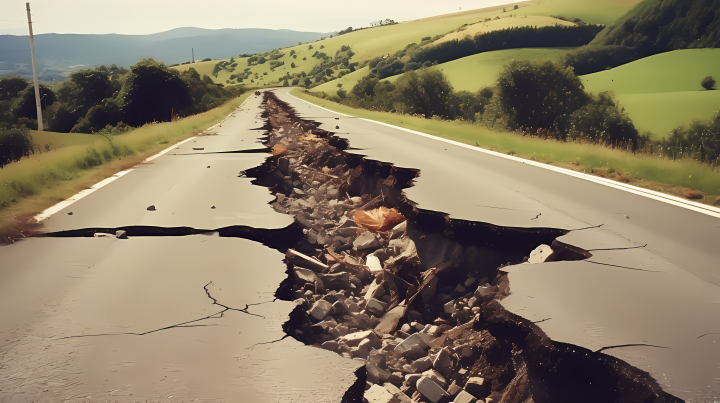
[[641, 170], [77, 161]]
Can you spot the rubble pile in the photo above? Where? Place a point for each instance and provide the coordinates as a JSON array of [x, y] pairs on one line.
[[412, 294]]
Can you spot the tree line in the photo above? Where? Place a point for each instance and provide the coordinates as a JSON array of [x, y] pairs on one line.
[[89, 100]]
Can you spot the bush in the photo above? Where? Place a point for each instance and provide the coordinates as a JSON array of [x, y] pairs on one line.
[[426, 92], [341, 93], [601, 121], [708, 83], [534, 93], [15, 144]]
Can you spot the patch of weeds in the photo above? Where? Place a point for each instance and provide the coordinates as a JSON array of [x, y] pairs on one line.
[[164, 142]]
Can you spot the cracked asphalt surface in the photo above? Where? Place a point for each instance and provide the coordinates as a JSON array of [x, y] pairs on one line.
[[659, 300], [186, 318], [664, 292]]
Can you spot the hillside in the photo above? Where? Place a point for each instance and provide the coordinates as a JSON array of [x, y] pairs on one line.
[[365, 43], [655, 26], [467, 74], [661, 91], [590, 11], [58, 52]]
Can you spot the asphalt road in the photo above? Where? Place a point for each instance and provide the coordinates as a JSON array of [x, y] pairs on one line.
[[105, 319], [659, 300], [123, 319]]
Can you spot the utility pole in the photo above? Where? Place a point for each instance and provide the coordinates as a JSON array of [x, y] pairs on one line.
[[193, 54], [34, 65]]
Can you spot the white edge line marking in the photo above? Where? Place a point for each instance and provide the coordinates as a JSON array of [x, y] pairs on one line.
[[67, 202], [651, 194]]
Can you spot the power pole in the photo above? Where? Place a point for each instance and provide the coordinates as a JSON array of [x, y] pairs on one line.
[[193, 54], [34, 65]]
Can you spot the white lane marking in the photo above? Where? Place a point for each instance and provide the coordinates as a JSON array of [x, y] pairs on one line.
[[67, 202], [54, 209], [651, 194]]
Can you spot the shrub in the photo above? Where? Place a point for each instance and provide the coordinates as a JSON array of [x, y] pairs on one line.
[[708, 83], [426, 92], [534, 93], [15, 144], [601, 121]]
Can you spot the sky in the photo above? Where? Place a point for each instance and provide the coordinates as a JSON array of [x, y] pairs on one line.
[[139, 17]]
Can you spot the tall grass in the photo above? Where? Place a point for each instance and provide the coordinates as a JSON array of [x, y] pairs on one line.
[[35, 183], [589, 158]]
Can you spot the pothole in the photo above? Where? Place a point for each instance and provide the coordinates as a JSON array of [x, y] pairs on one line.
[[412, 293]]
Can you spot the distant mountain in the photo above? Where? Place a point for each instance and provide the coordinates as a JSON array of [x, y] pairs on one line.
[[56, 53]]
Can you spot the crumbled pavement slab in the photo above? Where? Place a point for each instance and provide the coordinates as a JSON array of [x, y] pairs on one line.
[[417, 300]]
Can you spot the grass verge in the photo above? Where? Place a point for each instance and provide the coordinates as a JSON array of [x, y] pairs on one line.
[[33, 184], [676, 178]]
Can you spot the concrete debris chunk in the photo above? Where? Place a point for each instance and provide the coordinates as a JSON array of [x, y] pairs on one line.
[[449, 307], [375, 374], [366, 240], [418, 339], [431, 390], [375, 290], [399, 230], [421, 365], [320, 310], [411, 379], [330, 345], [354, 339], [484, 290], [464, 397], [454, 388], [310, 277], [151, 207], [395, 391], [477, 387], [338, 281], [415, 352], [443, 362], [435, 376], [378, 394], [542, 253], [390, 320], [373, 263], [376, 307], [470, 281], [120, 234]]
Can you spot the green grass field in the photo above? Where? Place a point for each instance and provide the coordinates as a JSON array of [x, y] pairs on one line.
[[647, 171], [590, 11], [474, 72], [36, 183], [661, 91]]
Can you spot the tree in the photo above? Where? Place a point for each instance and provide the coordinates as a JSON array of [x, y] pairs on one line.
[[292, 65], [11, 87], [534, 93], [601, 121], [24, 104], [427, 92], [15, 144], [708, 83], [365, 87], [307, 82], [93, 87], [152, 92]]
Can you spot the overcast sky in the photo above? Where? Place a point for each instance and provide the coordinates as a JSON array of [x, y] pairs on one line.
[[137, 17]]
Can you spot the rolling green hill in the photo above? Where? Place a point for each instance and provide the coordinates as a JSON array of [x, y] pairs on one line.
[[661, 91], [469, 73], [386, 40], [591, 11]]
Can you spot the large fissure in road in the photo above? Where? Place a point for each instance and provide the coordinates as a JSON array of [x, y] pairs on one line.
[[414, 294]]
